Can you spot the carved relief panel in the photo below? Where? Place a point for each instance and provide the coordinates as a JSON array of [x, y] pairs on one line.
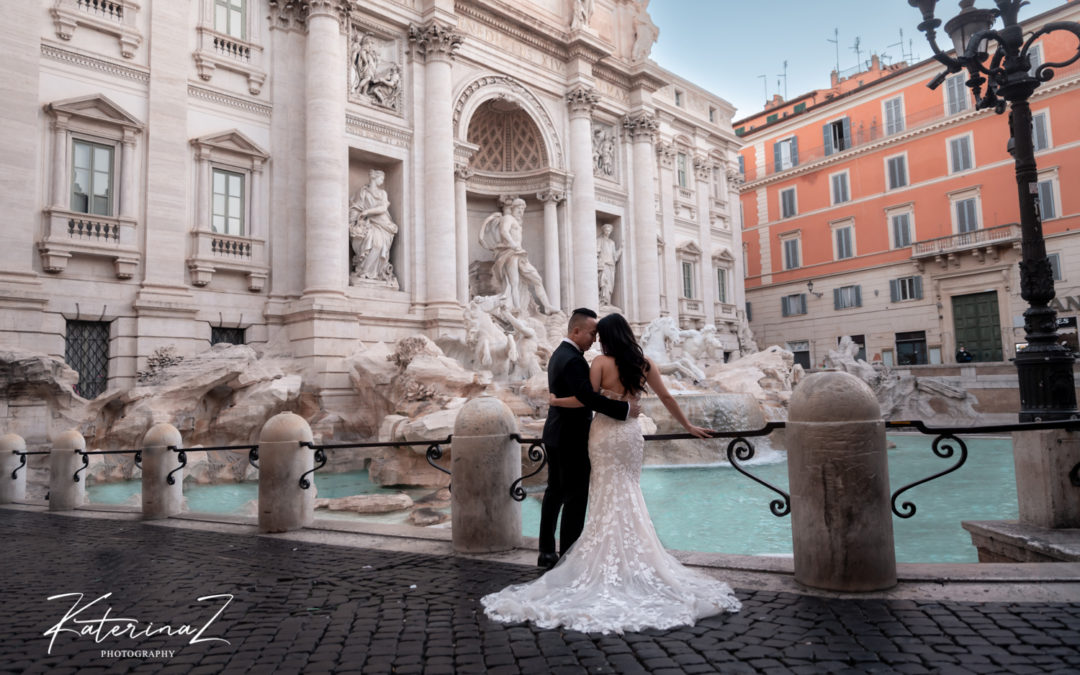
[[375, 70], [604, 154]]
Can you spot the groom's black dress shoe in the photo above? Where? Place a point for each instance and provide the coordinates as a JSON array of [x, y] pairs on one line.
[[547, 560]]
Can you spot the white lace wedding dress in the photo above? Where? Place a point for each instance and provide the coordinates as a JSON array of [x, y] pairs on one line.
[[617, 577]]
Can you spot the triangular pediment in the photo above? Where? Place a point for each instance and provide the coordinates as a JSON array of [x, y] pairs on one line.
[[723, 253], [232, 141], [97, 107], [689, 247]]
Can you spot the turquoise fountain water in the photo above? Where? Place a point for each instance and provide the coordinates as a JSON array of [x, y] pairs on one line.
[[715, 509]]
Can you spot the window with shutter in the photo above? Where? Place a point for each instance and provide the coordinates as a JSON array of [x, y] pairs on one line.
[[791, 254], [960, 155], [966, 216], [840, 192], [1055, 265], [897, 169], [1040, 130], [894, 115], [1047, 206], [956, 94], [787, 203], [901, 230]]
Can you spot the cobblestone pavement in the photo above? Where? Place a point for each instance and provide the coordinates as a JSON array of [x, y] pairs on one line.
[[314, 608]]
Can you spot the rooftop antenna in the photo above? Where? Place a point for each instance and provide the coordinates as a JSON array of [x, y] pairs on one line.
[[765, 83], [836, 41], [785, 80], [905, 55], [858, 53]]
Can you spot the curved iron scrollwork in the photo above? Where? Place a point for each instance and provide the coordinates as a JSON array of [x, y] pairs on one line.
[[740, 449], [434, 453], [22, 463], [320, 458], [85, 463], [536, 453], [943, 448], [253, 456], [181, 457]]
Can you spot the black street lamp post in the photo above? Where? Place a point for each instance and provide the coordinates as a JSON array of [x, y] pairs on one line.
[[1045, 366]]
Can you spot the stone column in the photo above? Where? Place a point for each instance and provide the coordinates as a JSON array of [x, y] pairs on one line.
[[585, 291], [484, 462], [204, 188], [12, 489], [670, 283], [462, 174], [160, 499], [1045, 493], [640, 127], [283, 504], [129, 191], [65, 493], [551, 199], [706, 280], [256, 226], [841, 524], [435, 44], [327, 232], [61, 170]]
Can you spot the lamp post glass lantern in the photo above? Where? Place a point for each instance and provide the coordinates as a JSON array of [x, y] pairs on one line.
[[1003, 78]]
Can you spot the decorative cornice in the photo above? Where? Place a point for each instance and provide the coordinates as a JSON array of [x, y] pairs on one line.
[[582, 100], [528, 33], [93, 63], [368, 128], [640, 126], [434, 40], [260, 109]]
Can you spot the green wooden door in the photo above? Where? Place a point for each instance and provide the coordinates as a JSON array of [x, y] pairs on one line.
[[975, 318]]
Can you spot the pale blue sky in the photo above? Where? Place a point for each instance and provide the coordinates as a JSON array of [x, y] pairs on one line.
[[725, 45]]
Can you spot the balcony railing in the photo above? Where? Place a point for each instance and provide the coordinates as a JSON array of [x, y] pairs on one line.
[[69, 233], [217, 50], [991, 236], [215, 252], [112, 17]]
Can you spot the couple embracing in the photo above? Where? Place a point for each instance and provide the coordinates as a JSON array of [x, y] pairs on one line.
[[613, 574]]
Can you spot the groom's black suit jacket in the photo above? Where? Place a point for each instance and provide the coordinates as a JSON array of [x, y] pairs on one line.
[[568, 375]]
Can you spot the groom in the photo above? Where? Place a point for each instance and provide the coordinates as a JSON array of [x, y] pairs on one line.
[[566, 437]]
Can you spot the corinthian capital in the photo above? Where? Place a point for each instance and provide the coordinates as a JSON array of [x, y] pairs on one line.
[[551, 196], [582, 100], [434, 41], [665, 150], [286, 13], [640, 126], [702, 167]]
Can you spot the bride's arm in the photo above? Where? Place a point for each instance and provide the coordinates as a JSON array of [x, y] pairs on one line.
[[656, 382]]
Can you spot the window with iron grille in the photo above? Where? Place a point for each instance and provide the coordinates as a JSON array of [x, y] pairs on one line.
[[232, 336], [86, 349]]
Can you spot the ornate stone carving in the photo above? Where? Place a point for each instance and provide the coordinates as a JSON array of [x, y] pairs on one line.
[[501, 234], [582, 100], [640, 126], [287, 13], [607, 256], [371, 232], [434, 41], [583, 10], [463, 172], [504, 86], [603, 150], [665, 150], [369, 77], [645, 32], [556, 196], [702, 167]]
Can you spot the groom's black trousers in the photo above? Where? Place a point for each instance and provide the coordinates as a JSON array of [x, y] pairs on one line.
[[568, 489]]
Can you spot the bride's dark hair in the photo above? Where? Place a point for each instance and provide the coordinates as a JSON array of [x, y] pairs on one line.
[[618, 342]]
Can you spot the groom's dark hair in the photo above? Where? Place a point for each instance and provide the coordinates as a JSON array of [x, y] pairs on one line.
[[579, 315]]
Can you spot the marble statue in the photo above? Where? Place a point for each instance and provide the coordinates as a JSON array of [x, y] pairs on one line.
[[702, 345], [747, 344], [583, 10], [381, 84], [501, 234], [645, 32], [656, 342], [604, 151], [371, 231], [607, 255]]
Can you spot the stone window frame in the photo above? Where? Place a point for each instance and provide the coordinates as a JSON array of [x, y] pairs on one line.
[[834, 229], [215, 49], [794, 190], [785, 237], [112, 17], [724, 263], [1050, 176], [963, 195], [907, 171], [968, 139], [902, 121], [846, 174], [949, 94], [1043, 114], [688, 253], [907, 209]]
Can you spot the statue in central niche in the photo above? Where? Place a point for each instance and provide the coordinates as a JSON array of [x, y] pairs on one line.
[[372, 231], [501, 234]]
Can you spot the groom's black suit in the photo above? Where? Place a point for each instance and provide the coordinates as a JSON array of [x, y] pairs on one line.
[[566, 440]]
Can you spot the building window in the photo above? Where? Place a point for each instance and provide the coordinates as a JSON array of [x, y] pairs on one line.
[[901, 229], [956, 94], [911, 348], [897, 171], [840, 192], [721, 285], [967, 216], [905, 288], [791, 253], [788, 207], [229, 18], [844, 240], [749, 311], [228, 203], [793, 305], [688, 279], [786, 153], [678, 98], [894, 115], [1055, 265], [1047, 203], [1040, 130], [837, 136], [717, 183], [960, 155], [230, 336], [92, 178], [800, 349], [681, 168], [742, 165], [771, 118], [712, 114], [86, 350], [847, 296], [1035, 56]]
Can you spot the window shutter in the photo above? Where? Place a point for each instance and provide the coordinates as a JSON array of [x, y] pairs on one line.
[[784, 306], [894, 290], [777, 161], [1046, 200], [1038, 127], [802, 303], [918, 288], [836, 298], [827, 132], [846, 123], [794, 151], [858, 296], [749, 312]]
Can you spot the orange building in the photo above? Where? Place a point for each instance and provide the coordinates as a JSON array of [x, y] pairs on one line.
[[887, 211]]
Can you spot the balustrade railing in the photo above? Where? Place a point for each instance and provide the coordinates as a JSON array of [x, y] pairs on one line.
[[1001, 234]]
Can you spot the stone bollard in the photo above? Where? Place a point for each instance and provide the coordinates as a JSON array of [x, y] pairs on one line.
[[159, 499], [484, 462], [1045, 492], [12, 489], [283, 504], [64, 493], [841, 524]]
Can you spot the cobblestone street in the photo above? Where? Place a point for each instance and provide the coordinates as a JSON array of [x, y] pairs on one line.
[[312, 608]]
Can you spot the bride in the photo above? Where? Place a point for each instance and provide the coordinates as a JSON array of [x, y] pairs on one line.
[[617, 577]]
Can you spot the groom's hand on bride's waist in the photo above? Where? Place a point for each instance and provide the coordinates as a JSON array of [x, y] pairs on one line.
[[635, 410]]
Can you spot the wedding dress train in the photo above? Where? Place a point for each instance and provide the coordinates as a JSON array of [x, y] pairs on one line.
[[617, 577]]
